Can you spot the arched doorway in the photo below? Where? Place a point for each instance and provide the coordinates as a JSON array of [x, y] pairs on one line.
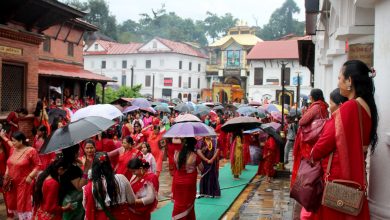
[[189, 97], [288, 97], [179, 96], [222, 97]]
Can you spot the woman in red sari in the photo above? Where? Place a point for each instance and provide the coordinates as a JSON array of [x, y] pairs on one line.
[[184, 188], [22, 168], [222, 139], [5, 150], [89, 150], [47, 190], [318, 109], [126, 153], [145, 186], [342, 134], [107, 191], [266, 166], [127, 128], [41, 117], [137, 135], [153, 138], [13, 119], [39, 139]]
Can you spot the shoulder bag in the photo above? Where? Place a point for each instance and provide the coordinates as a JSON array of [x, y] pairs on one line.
[[344, 195]]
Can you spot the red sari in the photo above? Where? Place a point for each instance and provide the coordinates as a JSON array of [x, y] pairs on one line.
[[138, 138], [270, 157], [121, 167], [49, 209], [13, 117], [19, 198], [158, 154], [184, 188], [142, 212], [222, 142], [172, 147], [341, 134], [245, 148], [45, 159], [3, 165], [302, 149]]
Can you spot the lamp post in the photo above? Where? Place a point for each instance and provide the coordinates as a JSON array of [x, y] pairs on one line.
[[298, 89], [132, 76], [282, 134]]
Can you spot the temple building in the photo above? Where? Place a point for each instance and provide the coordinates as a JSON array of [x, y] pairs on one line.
[[227, 62]]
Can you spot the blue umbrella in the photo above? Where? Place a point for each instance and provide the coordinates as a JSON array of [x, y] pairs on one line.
[[162, 108], [189, 129], [141, 102], [247, 110]]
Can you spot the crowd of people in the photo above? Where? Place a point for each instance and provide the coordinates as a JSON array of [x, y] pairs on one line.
[[115, 174]]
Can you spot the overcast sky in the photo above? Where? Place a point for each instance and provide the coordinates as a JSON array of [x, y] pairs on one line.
[[247, 10]]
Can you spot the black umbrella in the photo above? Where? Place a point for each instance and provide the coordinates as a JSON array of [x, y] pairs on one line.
[[218, 107], [75, 132], [182, 107], [271, 131], [54, 113], [241, 123]]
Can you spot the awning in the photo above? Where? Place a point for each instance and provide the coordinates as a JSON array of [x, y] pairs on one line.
[[54, 69]]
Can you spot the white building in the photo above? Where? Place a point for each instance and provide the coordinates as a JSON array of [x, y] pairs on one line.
[[265, 78], [164, 68], [357, 29]]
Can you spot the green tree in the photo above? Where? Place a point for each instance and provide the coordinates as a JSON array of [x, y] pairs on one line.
[[111, 94], [99, 15], [215, 25], [282, 22]]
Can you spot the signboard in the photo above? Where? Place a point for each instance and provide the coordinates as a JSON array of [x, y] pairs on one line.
[[11, 50], [295, 80], [363, 52]]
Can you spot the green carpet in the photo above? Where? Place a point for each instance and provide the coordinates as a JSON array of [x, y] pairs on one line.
[[214, 208]]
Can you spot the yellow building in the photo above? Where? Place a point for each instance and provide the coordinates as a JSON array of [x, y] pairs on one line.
[[227, 57]]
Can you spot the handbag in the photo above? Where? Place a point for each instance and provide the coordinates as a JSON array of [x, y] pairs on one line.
[[344, 195], [312, 131], [308, 186]]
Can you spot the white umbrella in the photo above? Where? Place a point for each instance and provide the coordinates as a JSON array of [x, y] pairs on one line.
[[102, 110]]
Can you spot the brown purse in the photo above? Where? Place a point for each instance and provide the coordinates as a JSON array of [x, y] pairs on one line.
[[343, 195]]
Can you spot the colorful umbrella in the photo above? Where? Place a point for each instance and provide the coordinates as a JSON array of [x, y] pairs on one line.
[[162, 108], [130, 109], [187, 118], [102, 110], [141, 102], [189, 129], [247, 110]]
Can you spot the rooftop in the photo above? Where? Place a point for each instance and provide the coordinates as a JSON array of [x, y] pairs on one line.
[[284, 49]]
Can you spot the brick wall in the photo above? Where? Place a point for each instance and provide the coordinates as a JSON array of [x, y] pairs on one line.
[[59, 47]]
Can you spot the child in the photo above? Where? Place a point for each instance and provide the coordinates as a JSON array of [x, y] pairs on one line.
[[148, 156]]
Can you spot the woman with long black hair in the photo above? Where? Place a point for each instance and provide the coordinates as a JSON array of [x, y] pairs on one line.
[[108, 195], [348, 135], [47, 190], [184, 180]]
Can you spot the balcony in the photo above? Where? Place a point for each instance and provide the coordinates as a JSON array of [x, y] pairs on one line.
[[212, 67]]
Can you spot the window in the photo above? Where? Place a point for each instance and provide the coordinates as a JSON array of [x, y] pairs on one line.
[[123, 79], [70, 49], [258, 77], [198, 67], [148, 64], [168, 81], [46, 44], [198, 83], [233, 58], [147, 81], [180, 65], [189, 82], [96, 46], [190, 66], [179, 81], [124, 64], [12, 87], [103, 64], [287, 71]]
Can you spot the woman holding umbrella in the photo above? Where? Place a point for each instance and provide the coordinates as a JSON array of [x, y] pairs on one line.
[[184, 179]]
